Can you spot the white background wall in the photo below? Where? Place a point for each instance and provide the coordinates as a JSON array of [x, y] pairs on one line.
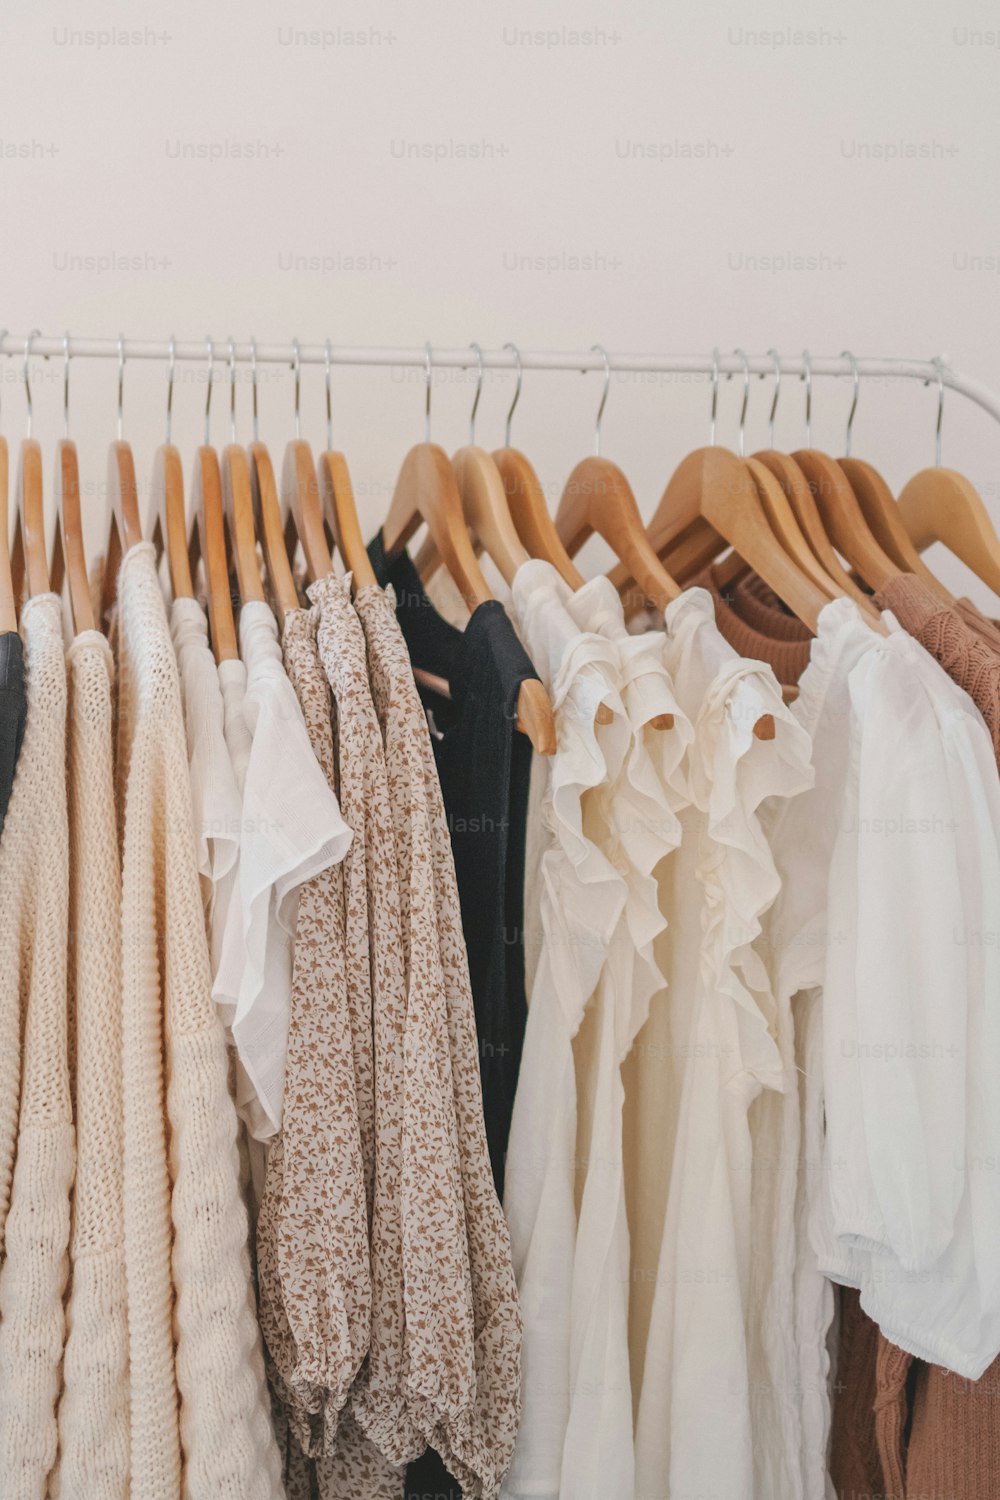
[[649, 176]]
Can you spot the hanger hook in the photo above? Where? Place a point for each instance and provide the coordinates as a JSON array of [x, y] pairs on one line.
[[208, 393], [600, 349], [774, 399], [121, 385], [253, 382], [297, 368], [428, 354], [938, 364], [24, 371], [846, 354], [231, 360], [328, 361], [517, 390], [171, 367], [807, 376], [479, 392], [741, 354], [66, 385], [715, 392]]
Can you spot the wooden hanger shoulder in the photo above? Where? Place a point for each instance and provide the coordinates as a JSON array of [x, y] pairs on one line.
[[267, 511], [29, 564], [800, 497], [208, 540], [843, 519], [530, 514], [69, 557], [341, 513], [237, 499], [878, 505], [169, 530], [599, 499], [941, 505], [124, 528], [427, 490], [300, 498]]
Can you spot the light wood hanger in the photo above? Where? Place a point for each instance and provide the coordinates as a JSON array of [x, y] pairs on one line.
[[337, 498], [69, 559], [267, 515], [941, 505], [207, 540], [599, 499], [124, 527], [300, 496], [8, 602], [29, 564], [168, 529], [237, 500], [427, 492]]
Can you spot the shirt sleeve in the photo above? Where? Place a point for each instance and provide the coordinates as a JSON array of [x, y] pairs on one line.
[[896, 985]]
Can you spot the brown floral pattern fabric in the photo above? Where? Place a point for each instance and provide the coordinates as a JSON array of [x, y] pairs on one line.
[[312, 1232], [461, 1333]]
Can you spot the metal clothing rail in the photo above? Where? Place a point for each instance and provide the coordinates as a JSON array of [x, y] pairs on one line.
[[929, 371]]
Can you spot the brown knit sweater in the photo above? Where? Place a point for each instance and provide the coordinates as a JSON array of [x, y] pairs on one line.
[[953, 1451]]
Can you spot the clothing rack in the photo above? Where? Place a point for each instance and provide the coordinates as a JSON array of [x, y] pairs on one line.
[[928, 371]]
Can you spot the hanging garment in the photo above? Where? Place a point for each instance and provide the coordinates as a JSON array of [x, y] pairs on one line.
[[291, 829], [37, 1104], [716, 1047], [312, 1233], [93, 1461], [186, 1231], [216, 798], [13, 708], [582, 896], [463, 1346], [484, 767]]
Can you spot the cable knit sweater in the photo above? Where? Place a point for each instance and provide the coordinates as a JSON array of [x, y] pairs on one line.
[[228, 1445], [34, 882], [94, 1411]]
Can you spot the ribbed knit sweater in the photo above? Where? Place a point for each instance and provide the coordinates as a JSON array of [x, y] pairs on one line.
[[94, 1410], [228, 1446], [34, 882]]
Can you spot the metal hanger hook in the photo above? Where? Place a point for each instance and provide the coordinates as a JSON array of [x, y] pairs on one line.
[[121, 385], [297, 368], [774, 399], [517, 390], [24, 371], [715, 393], [328, 361], [231, 357], [742, 440], [253, 382], [479, 392], [600, 349], [171, 367], [938, 364], [846, 354], [66, 385], [428, 355], [208, 393], [807, 376]]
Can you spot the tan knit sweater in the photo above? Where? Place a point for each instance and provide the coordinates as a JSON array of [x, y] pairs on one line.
[[34, 880], [94, 1411], [228, 1445]]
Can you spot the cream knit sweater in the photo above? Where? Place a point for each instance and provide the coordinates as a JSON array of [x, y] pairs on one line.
[[94, 1411], [228, 1445], [34, 879]]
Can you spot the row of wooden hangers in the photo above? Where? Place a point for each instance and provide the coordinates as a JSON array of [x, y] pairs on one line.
[[814, 528]]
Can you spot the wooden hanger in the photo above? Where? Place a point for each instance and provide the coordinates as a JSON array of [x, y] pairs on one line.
[[237, 500], [800, 497], [599, 499], [337, 499], [941, 505], [207, 540], [124, 527], [69, 559], [267, 515], [300, 497], [427, 492], [8, 599], [168, 525], [29, 565]]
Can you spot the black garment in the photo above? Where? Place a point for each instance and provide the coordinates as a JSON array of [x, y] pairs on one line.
[[13, 711], [484, 766]]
